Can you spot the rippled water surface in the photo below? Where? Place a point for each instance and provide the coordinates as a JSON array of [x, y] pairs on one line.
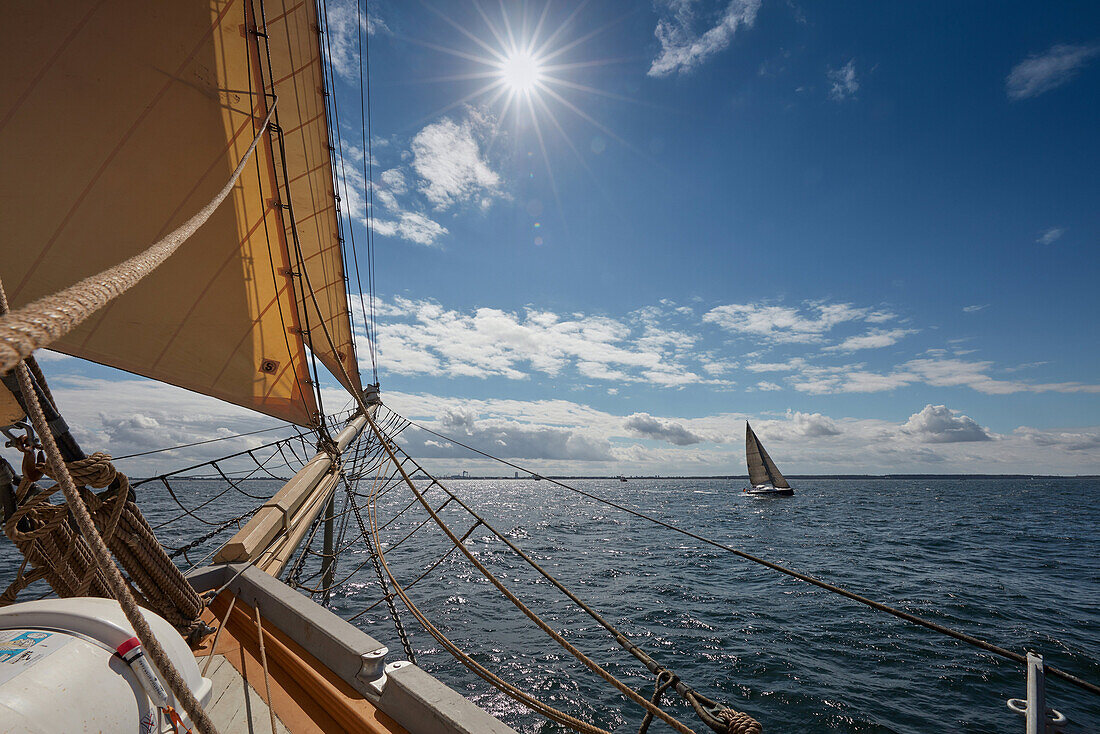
[[1011, 561]]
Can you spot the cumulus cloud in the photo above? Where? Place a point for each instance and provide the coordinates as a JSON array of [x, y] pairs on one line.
[[1051, 236], [683, 47], [765, 386], [646, 426], [939, 424], [448, 159], [936, 371], [1049, 70], [132, 415], [788, 324], [812, 424], [795, 363], [957, 372], [444, 169], [843, 83]]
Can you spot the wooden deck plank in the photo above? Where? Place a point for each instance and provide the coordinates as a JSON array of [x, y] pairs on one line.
[[235, 706]]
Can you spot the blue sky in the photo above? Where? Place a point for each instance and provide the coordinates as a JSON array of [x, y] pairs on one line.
[[869, 228]]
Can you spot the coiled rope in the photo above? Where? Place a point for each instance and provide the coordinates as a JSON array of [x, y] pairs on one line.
[[879, 606], [124, 530]]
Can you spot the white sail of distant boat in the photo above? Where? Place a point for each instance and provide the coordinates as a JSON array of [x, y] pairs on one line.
[[764, 476]]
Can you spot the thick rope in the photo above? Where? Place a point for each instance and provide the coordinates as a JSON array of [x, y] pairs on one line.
[[43, 534], [41, 531], [46, 320], [738, 723], [133, 543]]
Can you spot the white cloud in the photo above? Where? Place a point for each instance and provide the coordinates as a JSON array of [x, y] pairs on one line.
[[938, 372], [646, 426], [133, 414], [447, 158], [939, 424], [447, 168], [510, 440], [1049, 70], [1051, 236], [957, 372], [976, 307], [423, 337], [873, 339], [795, 363], [1068, 440], [812, 424], [682, 47], [843, 83], [411, 226], [787, 324], [765, 386]]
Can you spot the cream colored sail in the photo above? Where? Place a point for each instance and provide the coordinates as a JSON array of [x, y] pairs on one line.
[[115, 132]]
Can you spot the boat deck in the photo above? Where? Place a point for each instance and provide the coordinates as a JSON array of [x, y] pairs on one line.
[[306, 696], [235, 706]]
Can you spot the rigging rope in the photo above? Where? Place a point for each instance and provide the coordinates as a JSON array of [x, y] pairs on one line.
[[200, 443], [329, 82], [46, 320], [879, 606], [368, 174]]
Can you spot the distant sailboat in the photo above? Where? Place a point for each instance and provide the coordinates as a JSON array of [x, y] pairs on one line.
[[764, 476]]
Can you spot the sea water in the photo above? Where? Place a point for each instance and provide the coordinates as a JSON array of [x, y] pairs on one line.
[[1012, 561]]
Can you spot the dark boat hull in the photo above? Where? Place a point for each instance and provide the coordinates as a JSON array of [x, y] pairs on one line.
[[768, 492]]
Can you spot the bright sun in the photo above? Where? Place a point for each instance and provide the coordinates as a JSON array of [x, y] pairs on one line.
[[521, 71]]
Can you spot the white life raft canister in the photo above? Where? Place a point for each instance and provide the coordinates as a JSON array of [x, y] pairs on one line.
[[59, 671]]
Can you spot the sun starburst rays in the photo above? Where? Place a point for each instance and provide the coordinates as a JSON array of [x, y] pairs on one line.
[[519, 59], [523, 68]]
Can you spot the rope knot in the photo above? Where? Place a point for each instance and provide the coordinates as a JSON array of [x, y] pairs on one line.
[[739, 723], [93, 471]]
